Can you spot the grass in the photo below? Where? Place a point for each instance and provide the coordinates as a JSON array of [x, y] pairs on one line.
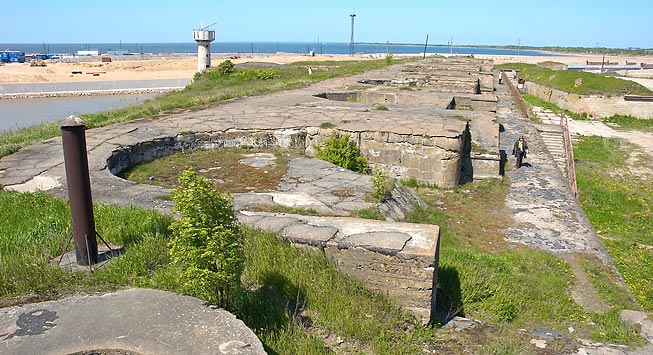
[[536, 101], [630, 123], [207, 91], [298, 302], [591, 84], [619, 205], [621, 122], [485, 278], [224, 165]]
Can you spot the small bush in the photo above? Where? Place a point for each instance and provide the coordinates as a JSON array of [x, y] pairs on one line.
[[379, 181], [225, 68], [257, 74], [207, 244], [388, 59], [381, 108], [327, 125], [341, 151]]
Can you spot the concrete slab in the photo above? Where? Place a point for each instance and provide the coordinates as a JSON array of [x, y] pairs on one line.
[[309, 234], [389, 243], [142, 321]]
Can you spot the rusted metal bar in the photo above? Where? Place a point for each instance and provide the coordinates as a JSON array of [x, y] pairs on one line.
[[516, 94], [571, 167], [79, 190]]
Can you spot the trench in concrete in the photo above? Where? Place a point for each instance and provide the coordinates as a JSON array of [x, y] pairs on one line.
[[429, 160]]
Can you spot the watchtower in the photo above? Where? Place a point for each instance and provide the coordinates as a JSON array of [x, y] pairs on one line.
[[203, 37]]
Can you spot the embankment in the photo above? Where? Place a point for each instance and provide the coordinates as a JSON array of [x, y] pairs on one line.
[[594, 105], [114, 87]]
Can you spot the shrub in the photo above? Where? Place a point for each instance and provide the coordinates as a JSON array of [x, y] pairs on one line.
[[379, 180], [207, 244], [225, 68], [388, 59], [342, 152]]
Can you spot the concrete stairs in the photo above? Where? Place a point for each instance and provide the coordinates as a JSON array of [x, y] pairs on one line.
[[552, 136], [553, 139]]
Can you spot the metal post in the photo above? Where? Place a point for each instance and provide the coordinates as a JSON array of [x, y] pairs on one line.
[[426, 45], [351, 42], [79, 190]]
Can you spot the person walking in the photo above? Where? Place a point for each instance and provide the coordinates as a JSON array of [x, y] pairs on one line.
[[519, 151]]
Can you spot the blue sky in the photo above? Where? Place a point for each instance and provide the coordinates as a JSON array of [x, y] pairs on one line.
[[541, 23]]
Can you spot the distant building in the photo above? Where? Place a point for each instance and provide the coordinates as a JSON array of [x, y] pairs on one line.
[[12, 57], [117, 53], [88, 53]]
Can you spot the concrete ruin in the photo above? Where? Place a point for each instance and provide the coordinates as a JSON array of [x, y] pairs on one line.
[[401, 117]]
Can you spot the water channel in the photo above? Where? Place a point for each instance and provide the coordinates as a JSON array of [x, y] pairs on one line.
[[19, 113]]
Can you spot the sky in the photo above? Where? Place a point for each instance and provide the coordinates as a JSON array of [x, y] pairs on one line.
[[570, 23]]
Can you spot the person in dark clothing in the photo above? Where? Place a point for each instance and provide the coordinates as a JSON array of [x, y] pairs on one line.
[[519, 151]]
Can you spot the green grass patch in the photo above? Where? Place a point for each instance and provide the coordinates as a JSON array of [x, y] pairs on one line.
[[630, 122], [536, 101], [224, 165], [35, 229], [577, 82], [369, 213], [296, 300], [619, 205], [210, 89], [481, 277], [623, 122]]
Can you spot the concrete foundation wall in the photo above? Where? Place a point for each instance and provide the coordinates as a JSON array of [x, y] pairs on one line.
[[409, 281], [147, 151], [428, 159], [597, 106]]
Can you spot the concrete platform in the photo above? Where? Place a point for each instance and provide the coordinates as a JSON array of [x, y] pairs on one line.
[[140, 321]]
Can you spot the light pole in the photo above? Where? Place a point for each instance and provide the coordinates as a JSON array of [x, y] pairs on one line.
[[351, 42]]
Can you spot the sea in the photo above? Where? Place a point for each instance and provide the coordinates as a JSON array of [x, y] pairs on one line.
[[18, 113], [262, 48]]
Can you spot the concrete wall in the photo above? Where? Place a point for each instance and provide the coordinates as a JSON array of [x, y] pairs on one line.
[[597, 106], [428, 159], [411, 281]]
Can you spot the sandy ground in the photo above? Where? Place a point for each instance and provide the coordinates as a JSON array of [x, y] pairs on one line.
[[185, 66], [142, 69]]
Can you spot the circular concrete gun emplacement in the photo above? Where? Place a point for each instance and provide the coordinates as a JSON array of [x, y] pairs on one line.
[[397, 259]]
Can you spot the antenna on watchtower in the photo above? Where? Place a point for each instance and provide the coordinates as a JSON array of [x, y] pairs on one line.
[[204, 37]]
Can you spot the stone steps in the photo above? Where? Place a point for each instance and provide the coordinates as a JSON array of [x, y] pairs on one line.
[[553, 139]]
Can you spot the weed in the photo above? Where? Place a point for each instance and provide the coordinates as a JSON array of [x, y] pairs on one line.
[[340, 150], [369, 213], [380, 185], [381, 108], [388, 59], [326, 125]]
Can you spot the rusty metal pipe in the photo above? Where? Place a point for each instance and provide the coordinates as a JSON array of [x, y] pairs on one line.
[[79, 190]]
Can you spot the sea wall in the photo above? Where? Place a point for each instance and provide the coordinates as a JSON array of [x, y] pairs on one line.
[[90, 88], [594, 105]]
